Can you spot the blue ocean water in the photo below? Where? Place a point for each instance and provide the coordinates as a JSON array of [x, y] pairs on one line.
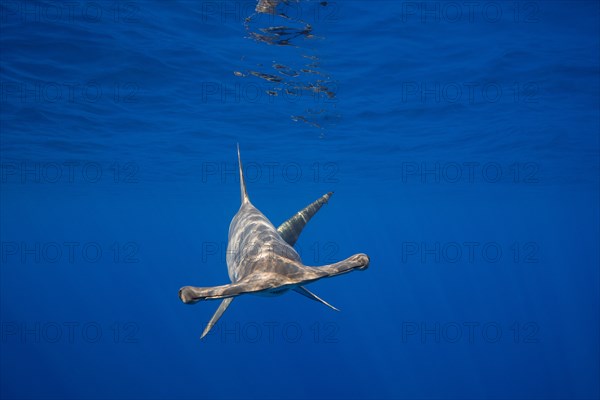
[[460, 140]]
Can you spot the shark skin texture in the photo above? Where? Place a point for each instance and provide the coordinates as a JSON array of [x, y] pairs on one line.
[[261, 259]]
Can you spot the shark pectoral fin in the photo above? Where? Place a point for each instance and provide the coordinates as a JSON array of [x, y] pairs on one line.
[[305, 292], [224, 304], [290, 230]]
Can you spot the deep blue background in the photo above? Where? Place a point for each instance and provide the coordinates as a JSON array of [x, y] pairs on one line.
[[145, 93]]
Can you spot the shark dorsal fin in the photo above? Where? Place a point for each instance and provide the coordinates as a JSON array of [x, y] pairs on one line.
[[242, 180]]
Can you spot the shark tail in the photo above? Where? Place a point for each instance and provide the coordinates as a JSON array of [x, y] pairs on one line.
[[244, 193], [290, 230]]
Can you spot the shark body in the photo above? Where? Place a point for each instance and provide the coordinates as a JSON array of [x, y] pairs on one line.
[[261, 259]]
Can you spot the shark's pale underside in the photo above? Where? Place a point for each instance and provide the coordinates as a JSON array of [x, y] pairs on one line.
[[261, 259]]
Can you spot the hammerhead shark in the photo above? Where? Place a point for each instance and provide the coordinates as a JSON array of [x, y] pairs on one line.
[[261, 259]]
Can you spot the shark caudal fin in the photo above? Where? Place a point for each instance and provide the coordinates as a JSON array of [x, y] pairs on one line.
[[242, 180], [290, 230]]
